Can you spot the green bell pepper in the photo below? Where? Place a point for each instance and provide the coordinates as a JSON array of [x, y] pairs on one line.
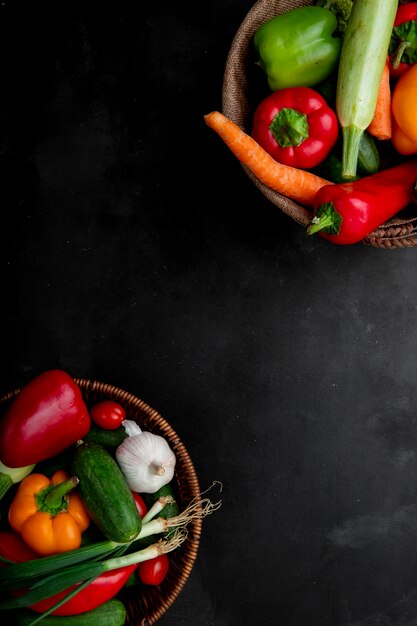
[[297, 48]]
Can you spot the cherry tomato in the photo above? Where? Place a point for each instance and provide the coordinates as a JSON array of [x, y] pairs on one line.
[[153, 571], [140, 504], [108, 414]]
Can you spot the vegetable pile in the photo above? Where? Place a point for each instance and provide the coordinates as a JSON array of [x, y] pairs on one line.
[[338, 132], [88, 506]]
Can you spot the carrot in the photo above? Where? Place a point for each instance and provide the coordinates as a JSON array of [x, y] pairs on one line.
[[380, 127], [299, 185]]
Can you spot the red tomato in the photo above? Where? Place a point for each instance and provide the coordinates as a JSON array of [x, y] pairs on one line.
[[108, 414], [140, 504], [153, 571]]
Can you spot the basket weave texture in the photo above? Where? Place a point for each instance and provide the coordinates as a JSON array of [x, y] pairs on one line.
[[147, 604], [237, 105]]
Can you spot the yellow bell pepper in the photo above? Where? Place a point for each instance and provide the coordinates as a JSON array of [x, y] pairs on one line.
[[404, 112], [47, 517]]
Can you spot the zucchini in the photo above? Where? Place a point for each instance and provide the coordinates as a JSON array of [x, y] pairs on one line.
[[105, 492], [362, 60], [111, 613], [331, 169], [109, 439]]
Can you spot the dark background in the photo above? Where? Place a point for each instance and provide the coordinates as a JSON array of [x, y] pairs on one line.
[[135, 251]]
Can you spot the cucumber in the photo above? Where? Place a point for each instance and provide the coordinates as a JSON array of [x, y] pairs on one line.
[[368, 156], [105, 492], [109, 439], [111, 613]]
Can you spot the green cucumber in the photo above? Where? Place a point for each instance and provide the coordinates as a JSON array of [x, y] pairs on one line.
[[111, 613], [105, 492], [109, 439], [368, 156]]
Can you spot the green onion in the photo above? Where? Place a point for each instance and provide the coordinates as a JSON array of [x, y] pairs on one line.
[[47, 576], [20, 574], [24, 574], [60, 581], [157, 508]]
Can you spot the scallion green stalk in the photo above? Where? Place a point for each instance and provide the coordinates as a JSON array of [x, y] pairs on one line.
[[24, 573], [157, 508], [62, 580], [30, 573]]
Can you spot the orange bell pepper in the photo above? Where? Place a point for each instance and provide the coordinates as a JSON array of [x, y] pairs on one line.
[[404, 113], [47, 517]]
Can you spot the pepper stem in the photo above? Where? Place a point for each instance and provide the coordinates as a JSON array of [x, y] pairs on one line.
[[327, 219], [396, 58], [352, 136], [53, 499], [289, 128]]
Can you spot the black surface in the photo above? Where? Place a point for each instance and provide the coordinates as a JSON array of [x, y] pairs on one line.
[[136, 252]]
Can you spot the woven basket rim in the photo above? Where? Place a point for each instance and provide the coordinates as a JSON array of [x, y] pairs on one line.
[[396, 233], [153, 603]]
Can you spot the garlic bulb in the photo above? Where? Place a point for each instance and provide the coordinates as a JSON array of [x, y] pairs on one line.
[[145, 459]]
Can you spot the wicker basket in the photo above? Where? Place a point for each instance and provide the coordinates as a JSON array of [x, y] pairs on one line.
[[240, 98], [146, 605]]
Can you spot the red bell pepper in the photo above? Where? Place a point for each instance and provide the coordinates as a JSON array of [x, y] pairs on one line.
[[403, 45], [100, 590], [296, 127], [47, 416], [346, 213]]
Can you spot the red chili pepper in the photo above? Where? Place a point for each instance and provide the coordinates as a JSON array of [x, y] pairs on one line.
[[47, 416], [345, 213], [100, 590], [403, 45], [296, 127]]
